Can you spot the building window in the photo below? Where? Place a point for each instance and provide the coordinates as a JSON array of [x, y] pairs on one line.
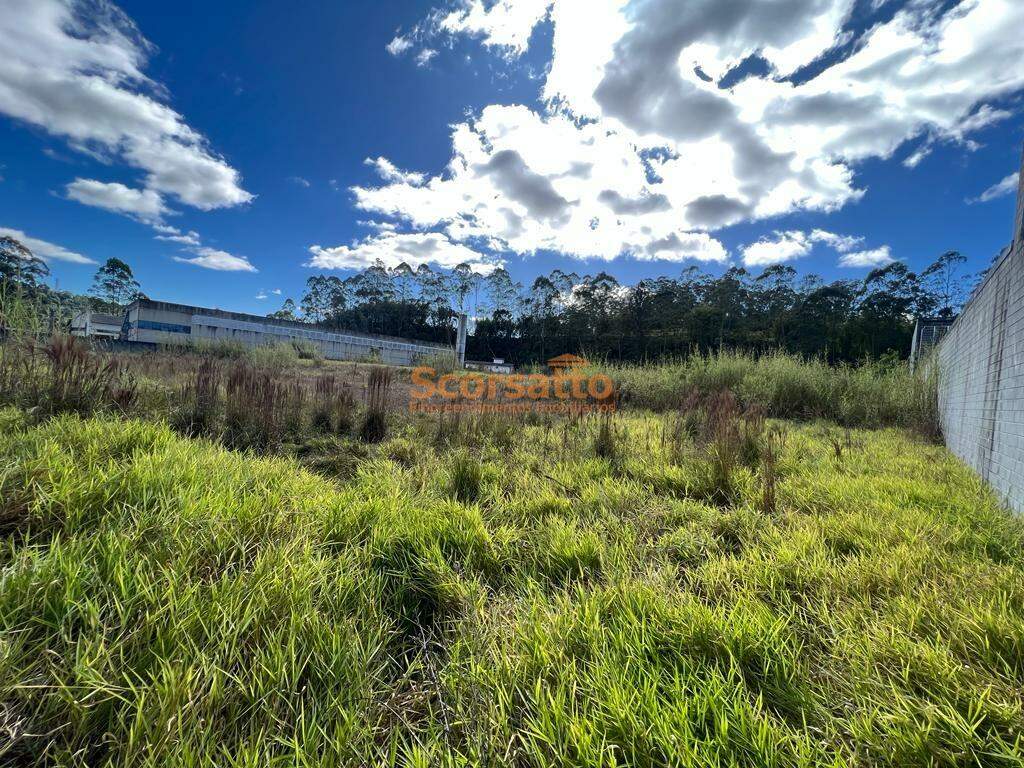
[[152, 325]]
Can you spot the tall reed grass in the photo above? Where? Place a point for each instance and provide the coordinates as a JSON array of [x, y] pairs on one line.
[[374, 426], [63, 375], [788, 387]]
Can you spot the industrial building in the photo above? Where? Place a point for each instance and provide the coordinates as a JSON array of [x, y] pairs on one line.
[[158, 322], [99, 325]]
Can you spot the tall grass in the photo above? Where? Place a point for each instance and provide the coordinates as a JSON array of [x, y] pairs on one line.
[[198, 407], [63, 375], [278, 355], [259, 408], [788, 387], [167, 602], [333, 406], [25, 313], [374, 426]]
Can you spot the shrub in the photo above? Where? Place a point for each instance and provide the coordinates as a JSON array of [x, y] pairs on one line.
[[307, 350], [226, 349], [277, 356]]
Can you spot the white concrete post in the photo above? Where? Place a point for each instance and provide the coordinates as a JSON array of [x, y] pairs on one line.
[[460, 340]]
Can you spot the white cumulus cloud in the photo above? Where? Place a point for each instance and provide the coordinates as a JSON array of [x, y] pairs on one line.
[[391, 249], [504, 24], [75, 68], [221, 261], [527, 182], [171, 234], [640, 145], [388, 171], [45, 250], [143, 204], [782, 247], [842, 243], [876, 257]]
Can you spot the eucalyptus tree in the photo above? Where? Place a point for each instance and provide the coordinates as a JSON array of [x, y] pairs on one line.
[[19, 265]]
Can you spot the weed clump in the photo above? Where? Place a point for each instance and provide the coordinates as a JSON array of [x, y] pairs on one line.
[[307, 350], [731, 438], [252, 408], [774, 443], [606, 442], [924, 416], [374, 426], [332, 457], [333, 406], [873, 394], [465, 479], [200, 401], [63, 376], [323, 404]]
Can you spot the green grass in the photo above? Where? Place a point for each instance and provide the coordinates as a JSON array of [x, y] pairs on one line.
[[277, 355], [869, 395], [166, 602]]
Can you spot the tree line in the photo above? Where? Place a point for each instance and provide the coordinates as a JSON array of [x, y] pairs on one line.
[[596, 315], [22, 284]]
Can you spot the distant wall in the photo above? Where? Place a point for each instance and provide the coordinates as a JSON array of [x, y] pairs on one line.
[[162, 323], [981, 375]]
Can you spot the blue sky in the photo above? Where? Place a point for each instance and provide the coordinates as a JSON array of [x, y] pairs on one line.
[[868, 143]]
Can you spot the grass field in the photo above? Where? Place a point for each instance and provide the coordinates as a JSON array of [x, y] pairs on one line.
[[567, 594]]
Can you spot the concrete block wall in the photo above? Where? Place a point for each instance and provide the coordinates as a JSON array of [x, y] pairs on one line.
[[981, 375]]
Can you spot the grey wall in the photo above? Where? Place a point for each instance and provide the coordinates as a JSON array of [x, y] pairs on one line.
[[163, 323], [981, 375]]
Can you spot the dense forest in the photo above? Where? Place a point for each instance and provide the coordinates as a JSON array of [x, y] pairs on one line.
[[841, 321], [845, 320]]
